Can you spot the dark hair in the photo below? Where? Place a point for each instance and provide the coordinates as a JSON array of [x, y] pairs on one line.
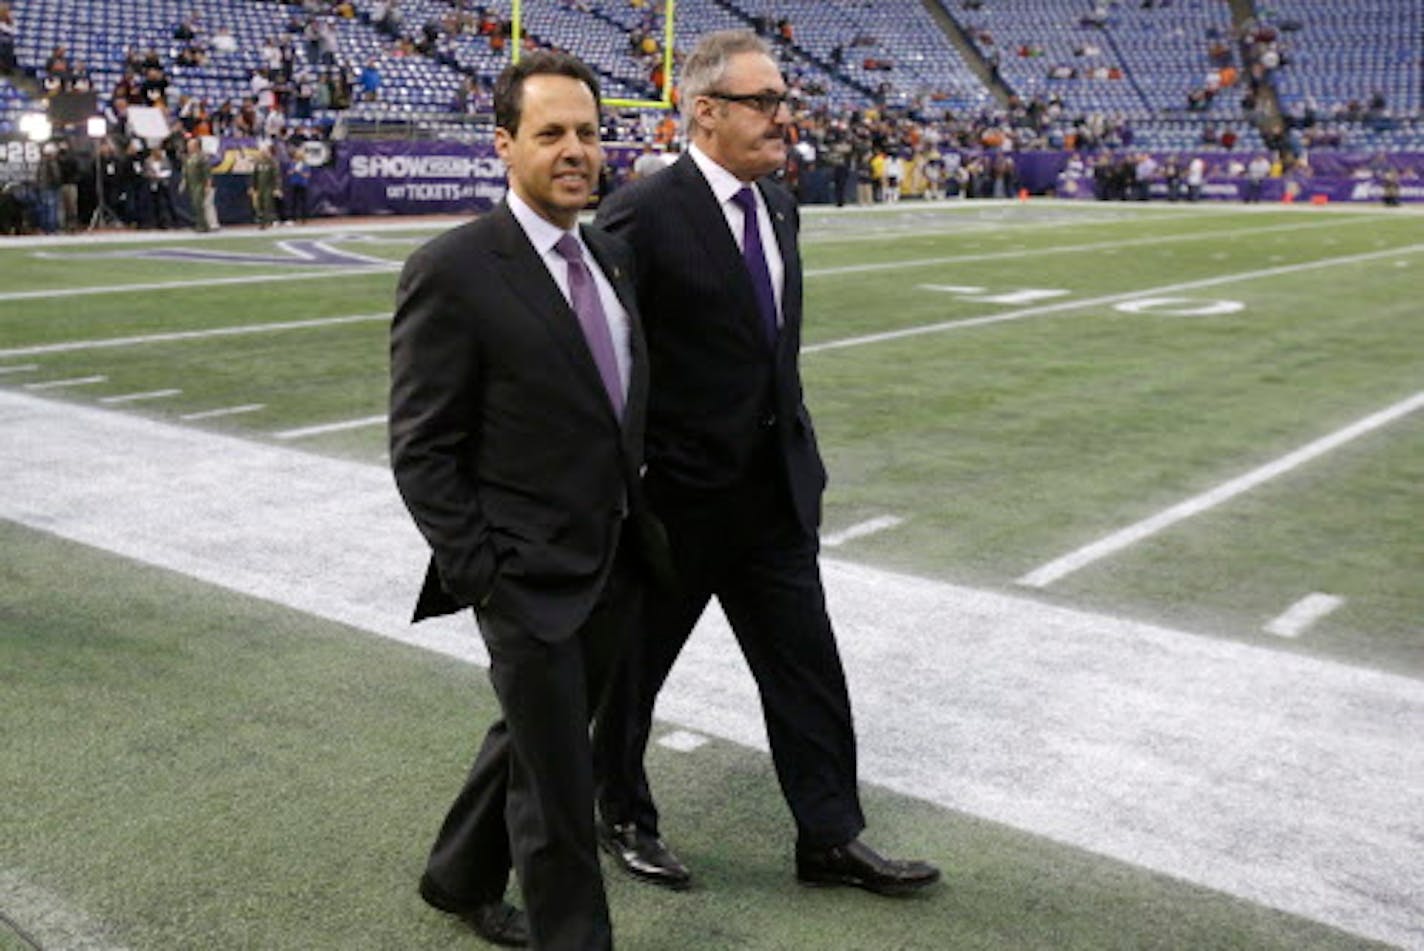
[[509, 88]]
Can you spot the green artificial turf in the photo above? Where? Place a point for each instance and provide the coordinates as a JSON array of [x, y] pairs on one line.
[[190, 768]]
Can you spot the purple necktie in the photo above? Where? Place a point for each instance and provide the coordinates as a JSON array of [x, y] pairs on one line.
[[583, 295], [755, 256]]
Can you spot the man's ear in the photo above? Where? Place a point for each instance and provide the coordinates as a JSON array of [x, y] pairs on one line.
[[704, 112], [502, 142]]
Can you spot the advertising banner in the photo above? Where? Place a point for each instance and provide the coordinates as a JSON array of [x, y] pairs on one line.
[[415, 178], [19, 158], [1333, 176]]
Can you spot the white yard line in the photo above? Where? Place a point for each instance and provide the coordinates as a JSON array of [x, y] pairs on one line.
[[1303, 614], [430, 225], [139, 397], [1106, 299], [1069, 248], [1273, 776], [72, 381], [48, 919], [1057, 569], [20, 368], [224, 411], [205, 282], [305, 431], [860, 530], [99, 343]]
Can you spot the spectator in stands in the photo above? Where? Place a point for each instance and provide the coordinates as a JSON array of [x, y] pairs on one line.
[[327, 43], [126, 88], [274, 124], [371, 80], [194, 53], [223, 41], [303, 96], [154, 89], [8, 32], [270, 55]]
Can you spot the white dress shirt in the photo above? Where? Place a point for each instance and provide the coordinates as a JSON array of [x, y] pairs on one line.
[[544, 234], [724, 186]]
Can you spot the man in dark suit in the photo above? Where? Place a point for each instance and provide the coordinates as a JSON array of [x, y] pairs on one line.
[[733, 472], [518, 396]]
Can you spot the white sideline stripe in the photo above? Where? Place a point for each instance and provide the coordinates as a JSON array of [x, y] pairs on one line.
[[48, 919], [915, 226], [136, 397], [1279, 778], [859, 530], [683, 741], [102, 342], [72, 381], [329, 427], [20, 368], [1106, 299], [1058, 568], [206, 282], [1068, 248], [1303, 614], [225, 411]]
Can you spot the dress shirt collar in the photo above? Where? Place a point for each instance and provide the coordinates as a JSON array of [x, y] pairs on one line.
[[542, 232], [724, 183]]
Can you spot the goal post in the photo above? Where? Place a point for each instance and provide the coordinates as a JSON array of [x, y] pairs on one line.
[[669, 33]]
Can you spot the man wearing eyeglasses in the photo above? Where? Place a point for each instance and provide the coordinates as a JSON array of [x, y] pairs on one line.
[[734, 474]]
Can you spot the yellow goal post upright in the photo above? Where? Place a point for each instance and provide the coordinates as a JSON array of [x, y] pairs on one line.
[[669, 11]]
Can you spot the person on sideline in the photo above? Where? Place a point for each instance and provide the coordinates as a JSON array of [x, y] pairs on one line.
[[198, 182], [733, 473], [519, 383]]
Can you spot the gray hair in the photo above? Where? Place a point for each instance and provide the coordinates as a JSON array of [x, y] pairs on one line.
[[705, 66]]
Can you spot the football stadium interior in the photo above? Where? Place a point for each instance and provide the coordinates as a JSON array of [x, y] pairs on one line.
[[1114, 345]]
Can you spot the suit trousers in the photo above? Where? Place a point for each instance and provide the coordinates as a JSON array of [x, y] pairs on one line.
[[746, 547], [528, 800]]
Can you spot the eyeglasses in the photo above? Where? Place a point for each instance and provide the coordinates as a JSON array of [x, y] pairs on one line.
[[767, 103]]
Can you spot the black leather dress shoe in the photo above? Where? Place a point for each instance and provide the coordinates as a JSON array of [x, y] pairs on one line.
[[857, 864], [497, 922], [643, 855]]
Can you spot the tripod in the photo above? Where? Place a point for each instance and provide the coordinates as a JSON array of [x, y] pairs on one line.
[[103, 216]]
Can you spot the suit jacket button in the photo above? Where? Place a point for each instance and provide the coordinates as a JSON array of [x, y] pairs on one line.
[[768, 421]]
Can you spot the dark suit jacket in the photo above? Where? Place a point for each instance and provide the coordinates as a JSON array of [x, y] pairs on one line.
[[504, 445], [716, 388]]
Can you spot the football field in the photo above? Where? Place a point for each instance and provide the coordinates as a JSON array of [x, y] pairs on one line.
[[1122, 539]]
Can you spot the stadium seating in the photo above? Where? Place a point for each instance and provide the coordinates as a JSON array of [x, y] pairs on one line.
[[13, 104], [1337, 54], [897, 49], [1138, 63]]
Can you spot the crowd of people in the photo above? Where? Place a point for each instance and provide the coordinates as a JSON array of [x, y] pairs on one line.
[[874, 153]]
